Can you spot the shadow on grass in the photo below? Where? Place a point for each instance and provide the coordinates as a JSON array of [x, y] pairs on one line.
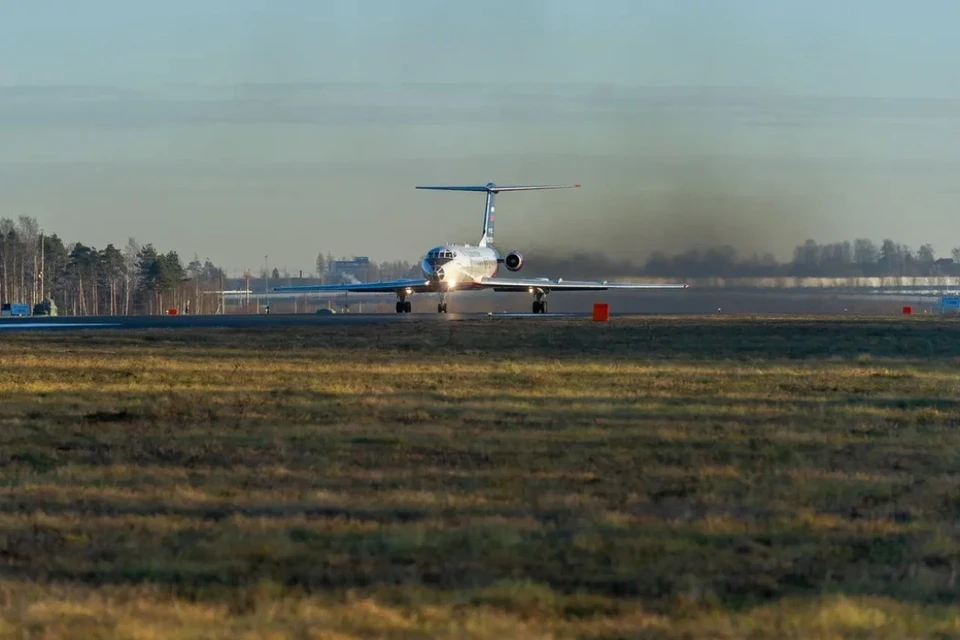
[[656, 497], [698, 338], [655, 564], [658, 547], [486, 431]]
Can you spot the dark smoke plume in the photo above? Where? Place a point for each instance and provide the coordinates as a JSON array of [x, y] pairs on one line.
[[717, 219]]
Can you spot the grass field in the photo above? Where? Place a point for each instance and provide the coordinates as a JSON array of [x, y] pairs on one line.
[[664, 478]]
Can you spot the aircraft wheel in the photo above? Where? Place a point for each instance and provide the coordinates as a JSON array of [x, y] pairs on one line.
[[444, 307], [399, 307], [407, 307], [536, 306]]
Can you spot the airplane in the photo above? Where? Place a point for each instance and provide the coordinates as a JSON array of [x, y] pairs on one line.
[[463, 267]]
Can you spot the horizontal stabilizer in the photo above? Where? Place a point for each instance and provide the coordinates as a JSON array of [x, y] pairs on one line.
[[496, 188], [491, 189]]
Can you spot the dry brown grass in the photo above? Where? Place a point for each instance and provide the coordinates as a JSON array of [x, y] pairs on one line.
[[665, 477]]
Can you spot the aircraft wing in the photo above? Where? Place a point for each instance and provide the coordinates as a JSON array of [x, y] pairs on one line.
[[387, 286], [511, 284]]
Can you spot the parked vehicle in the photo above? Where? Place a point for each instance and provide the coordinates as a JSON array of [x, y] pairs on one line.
[[14, 309], [45, 307]]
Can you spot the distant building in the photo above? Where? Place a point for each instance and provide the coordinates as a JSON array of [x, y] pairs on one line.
[[944, 266], [359, 263]]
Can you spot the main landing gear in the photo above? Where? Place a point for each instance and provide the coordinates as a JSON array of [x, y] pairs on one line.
[[540, 305], [403, 305]]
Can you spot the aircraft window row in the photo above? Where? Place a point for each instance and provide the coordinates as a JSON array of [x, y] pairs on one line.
[[442, 254]]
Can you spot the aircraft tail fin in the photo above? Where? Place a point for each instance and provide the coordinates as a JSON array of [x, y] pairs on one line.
[[491, 189]]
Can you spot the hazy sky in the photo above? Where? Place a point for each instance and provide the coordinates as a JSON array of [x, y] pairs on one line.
[[221, 127]]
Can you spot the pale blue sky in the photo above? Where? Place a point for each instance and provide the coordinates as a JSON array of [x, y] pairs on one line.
[[211, 126]]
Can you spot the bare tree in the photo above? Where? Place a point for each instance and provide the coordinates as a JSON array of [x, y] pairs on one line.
[[131, 279]]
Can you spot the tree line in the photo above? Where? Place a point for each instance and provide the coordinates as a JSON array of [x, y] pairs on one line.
[[83, 280], [861, 257]]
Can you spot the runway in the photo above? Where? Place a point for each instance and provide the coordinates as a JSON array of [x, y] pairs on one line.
[[247, 321], [505, 307]]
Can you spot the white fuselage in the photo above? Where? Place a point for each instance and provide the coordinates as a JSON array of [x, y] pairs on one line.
[[457, 266]]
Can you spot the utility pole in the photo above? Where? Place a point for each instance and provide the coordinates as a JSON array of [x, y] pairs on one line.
[[245, 296], [40, 275]]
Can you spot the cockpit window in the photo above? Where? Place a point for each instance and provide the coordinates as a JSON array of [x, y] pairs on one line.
[[438, 257]]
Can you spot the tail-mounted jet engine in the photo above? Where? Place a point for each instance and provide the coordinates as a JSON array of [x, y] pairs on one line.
[[513, 261]]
